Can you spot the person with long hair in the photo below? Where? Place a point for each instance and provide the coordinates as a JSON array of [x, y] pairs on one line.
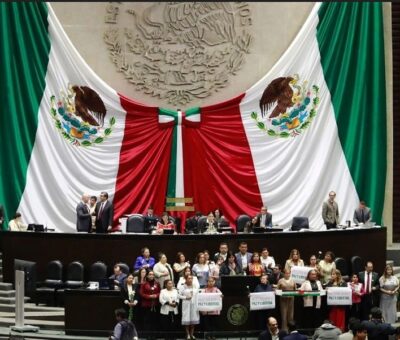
[[130, 297], [286, 302], [337, 314], [141, 275], [294, 260], [201, 269], [182, 279], [389, 287], [149, 294], [230, 266], [169, 301], [214, 272], [255, 267], [165, 223], [190, 314], [180, 265], [312, 304]]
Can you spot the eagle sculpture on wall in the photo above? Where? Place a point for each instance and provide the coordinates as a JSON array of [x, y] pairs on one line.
[[279, 92], [89, 106]]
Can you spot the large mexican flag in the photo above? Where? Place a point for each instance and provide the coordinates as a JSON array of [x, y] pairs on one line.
[[315, 122]]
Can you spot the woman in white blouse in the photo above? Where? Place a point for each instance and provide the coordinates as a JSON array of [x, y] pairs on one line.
[[169, 307], [16, 223], [162, 270]]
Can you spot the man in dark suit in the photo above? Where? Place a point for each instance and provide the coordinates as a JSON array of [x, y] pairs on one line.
[[370, 281], [264, 218], [243, 257], [293, 332], [362, 214], [191, 226], [104, 214], [272, 330], [376, 328], [83, 216], [150, 220]]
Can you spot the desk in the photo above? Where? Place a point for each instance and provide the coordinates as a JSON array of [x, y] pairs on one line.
[[89, 248]]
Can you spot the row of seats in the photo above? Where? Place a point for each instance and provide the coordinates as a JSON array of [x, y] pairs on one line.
[[54, 284], [136, 223]]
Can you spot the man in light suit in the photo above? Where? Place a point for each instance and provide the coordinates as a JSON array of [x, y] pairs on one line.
[[264, 218], [362, 214], [370, 282], [83, 216], [104, 214], [330, 212], [243, 257]]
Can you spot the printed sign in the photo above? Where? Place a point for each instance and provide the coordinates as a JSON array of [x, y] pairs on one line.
[[209, 302], [299, 274], [338, 296], [264, 300]]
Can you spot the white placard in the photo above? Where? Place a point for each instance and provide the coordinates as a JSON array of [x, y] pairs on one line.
[[263, 300], [338, 296], [209, 302], [299, 274]]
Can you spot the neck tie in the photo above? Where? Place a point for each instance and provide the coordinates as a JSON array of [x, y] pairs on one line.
[[362, 216], [101, 210], [368, 283]]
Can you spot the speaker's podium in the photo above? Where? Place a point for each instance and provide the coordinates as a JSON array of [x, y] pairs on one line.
[[179, 207]]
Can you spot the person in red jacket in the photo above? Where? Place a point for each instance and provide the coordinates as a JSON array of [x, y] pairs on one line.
[[149, 293]]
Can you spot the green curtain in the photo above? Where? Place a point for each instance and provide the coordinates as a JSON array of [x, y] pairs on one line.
[[25, 46], [351, 41]]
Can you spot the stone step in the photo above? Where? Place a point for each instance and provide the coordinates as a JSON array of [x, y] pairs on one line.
[[51, 316], [43, 324], [11, 300], [47, 334], [6, 286], [30, 307], [7, 293]]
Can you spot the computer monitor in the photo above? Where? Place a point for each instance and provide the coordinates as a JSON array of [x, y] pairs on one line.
[[29, 268], [168, 231], [39, 227]]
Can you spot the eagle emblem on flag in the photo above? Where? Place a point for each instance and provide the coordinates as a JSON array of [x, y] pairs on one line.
[[79, 114], [288, 106]]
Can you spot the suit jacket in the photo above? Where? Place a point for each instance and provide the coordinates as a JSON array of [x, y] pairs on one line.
[[295, 336], [378, 330], [330, 212], [266, 335], [239, 260], [374, 280], [358, 215], [83, 218], [106, 218], [268, 220]]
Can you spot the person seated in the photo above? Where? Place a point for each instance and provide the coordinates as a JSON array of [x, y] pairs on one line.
[[191, 226], [16, 223], [248, 228], [118, 276], [220, 218], [211, 224], [326, 331], [272, 332], [144, 261], [264, 218], [150, 220], [264, 285], [362, 214], [376, 327], [165, 223], [293, 332]]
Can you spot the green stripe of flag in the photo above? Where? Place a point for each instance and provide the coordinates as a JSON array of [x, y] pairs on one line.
[[24, 55], [351, 42]]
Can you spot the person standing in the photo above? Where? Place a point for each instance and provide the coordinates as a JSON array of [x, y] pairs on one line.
[[330, 212], [83, 216], [337, 314], [169, 307], [124, 329], [243, 257], [210, 318], [370, 281], [326, 266], [104, 214], [362, 214], [389, 287], [286, 302], [357, 291], [162, 270], [190, 314], [92, 209], [130, 297]]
